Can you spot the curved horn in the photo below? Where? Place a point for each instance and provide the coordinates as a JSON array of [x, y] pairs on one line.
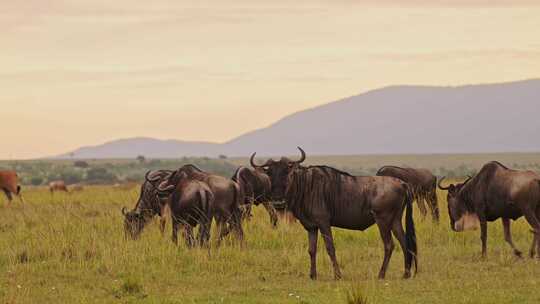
[[164, 188], [252, 161], [150, 176], [124, 211], [302, 158], [440, 186]]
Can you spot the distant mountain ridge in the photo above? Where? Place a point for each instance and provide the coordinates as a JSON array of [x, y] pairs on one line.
[[501, 117]]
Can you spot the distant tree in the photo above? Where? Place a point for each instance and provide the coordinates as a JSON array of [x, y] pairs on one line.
[[80, 164], [100, 176], [222, 156], [36, 181], [141, 159]]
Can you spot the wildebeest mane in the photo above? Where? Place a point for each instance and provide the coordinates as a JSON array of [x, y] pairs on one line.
[[474, 189], [315, 187]]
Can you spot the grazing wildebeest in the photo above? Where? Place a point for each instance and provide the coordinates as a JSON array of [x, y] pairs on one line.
[[149, 204], [227, 197], [190, 202], [58, 185], [423, 184], [255, 185], [321, 197], [496, 192], [278, 171], [9, 184]]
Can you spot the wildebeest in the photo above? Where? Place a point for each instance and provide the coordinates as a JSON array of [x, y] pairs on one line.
[[496, 192], [255, 185], [190, 203], [58, 185], [148, 205], [9, 184], [278, 171], [322, 197], [227, 197], [423, 184]]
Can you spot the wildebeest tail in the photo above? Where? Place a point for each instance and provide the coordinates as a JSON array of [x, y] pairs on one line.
[[410, 233], [18, 189]]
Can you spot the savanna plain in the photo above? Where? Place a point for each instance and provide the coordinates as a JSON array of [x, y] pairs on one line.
[[70, 248]]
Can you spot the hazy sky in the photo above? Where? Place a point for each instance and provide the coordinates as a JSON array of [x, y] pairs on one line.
[[84, 72]]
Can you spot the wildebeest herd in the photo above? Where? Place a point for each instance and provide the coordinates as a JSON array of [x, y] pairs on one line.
[[321, 197]]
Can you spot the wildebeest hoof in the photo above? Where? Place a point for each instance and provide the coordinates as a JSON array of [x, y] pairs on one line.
[[406, 275], [518, 253], [337, 277], [313, 276]]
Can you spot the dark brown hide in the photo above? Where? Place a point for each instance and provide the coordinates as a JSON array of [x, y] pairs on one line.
[[322, 197], [191, 204], [497, 192], [227, 197], [423, 184], [256, 186], [148, 205]]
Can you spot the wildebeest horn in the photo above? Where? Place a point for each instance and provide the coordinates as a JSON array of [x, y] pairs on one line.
[[254, 165], [164, 188], [151, 176], [124, 211], [302, 158], [252, 161], [440, 186]]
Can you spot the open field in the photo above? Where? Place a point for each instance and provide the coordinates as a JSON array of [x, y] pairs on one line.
[[70, 248]]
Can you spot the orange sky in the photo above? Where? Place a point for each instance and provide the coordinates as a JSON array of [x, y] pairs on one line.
[[84, 72]]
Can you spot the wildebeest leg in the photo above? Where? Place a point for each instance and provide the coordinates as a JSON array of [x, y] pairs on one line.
[[532, 251], [272, 213], [533, 220], [326, 233], [188, 235], [8, 195], [162, 223], [397, 229], [508, 236], [312, 237], [175, 225], [483, 235], [223, 229], [204, 232], [386, 237], [434, 205], [421, 204]]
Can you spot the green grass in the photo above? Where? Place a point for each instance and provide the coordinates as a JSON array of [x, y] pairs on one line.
[[70, 248]]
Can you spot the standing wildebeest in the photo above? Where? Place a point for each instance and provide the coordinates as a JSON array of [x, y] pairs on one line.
[[255, 185], [227, 197], [423, 184], [496, 192], [322, 197], [9, 184], [148, 205], [190, 202], [278, 171], [58, 185]]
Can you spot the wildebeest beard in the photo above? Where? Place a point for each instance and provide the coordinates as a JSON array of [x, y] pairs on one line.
[[148, 204]]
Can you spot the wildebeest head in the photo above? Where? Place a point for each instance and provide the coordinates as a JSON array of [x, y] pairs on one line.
[[133, 223], [278, 172], [148, 204], [461, 218]]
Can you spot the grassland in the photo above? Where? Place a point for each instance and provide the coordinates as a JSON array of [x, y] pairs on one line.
[[70, 248]]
